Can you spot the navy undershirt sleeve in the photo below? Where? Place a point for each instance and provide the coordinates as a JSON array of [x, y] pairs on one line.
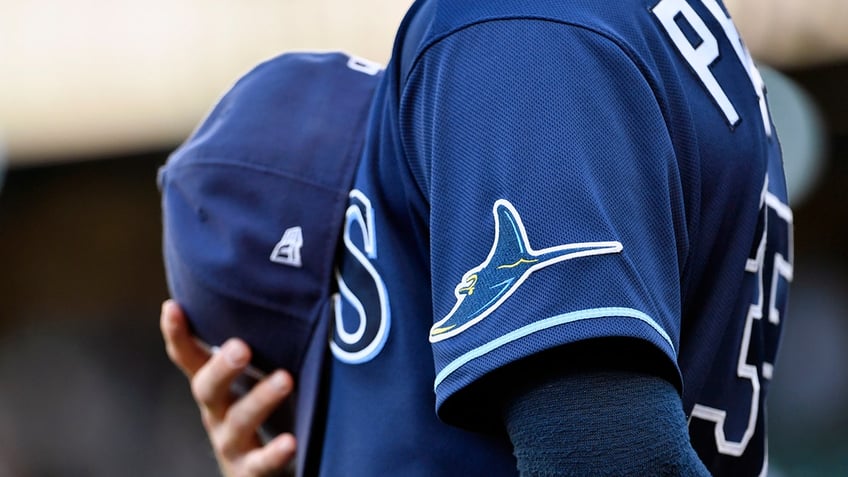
[[600, 423]]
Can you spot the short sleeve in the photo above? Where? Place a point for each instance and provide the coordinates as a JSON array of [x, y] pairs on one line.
[[556, 211]]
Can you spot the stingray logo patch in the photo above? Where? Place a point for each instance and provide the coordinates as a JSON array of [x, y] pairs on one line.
[[485, 287]]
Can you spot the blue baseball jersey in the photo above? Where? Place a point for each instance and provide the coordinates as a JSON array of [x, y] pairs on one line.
[[543, 173]]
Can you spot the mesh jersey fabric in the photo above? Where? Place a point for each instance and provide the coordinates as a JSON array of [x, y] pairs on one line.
[[576, 140]]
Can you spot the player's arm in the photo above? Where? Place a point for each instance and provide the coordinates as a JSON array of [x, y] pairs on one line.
[[231, 424], [565, 125], [567, 420]]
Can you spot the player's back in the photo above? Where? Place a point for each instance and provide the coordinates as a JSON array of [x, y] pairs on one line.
[[638, 123]]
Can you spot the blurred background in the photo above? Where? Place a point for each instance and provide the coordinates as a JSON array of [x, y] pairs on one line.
[[95, 94]]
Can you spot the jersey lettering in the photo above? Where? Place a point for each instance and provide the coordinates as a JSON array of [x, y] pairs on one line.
[[744, 57], [700, 56], [703, 53], [361, 325]]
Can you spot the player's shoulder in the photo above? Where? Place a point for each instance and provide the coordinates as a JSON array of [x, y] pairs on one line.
[[626, 23], [587, 13]]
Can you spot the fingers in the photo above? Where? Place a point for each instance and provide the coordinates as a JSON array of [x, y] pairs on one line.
[[246, 415], [271, 458], [235, 441], [231, 423], [179, 344], [211, 384]]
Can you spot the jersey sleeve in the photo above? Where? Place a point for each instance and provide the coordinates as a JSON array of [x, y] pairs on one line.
[[556, 211]]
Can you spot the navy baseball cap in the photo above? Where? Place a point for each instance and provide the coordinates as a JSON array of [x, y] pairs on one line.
[[253, 205]]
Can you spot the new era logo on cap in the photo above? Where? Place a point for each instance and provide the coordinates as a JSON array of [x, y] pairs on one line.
[[287, 250], [277, 153]]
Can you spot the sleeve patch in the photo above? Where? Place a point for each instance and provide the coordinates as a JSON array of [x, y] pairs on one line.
[[511, 260]]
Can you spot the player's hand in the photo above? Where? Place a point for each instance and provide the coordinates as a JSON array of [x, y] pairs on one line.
[[230, 423]]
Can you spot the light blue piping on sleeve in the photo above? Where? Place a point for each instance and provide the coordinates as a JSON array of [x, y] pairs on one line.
[[545, 324]]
